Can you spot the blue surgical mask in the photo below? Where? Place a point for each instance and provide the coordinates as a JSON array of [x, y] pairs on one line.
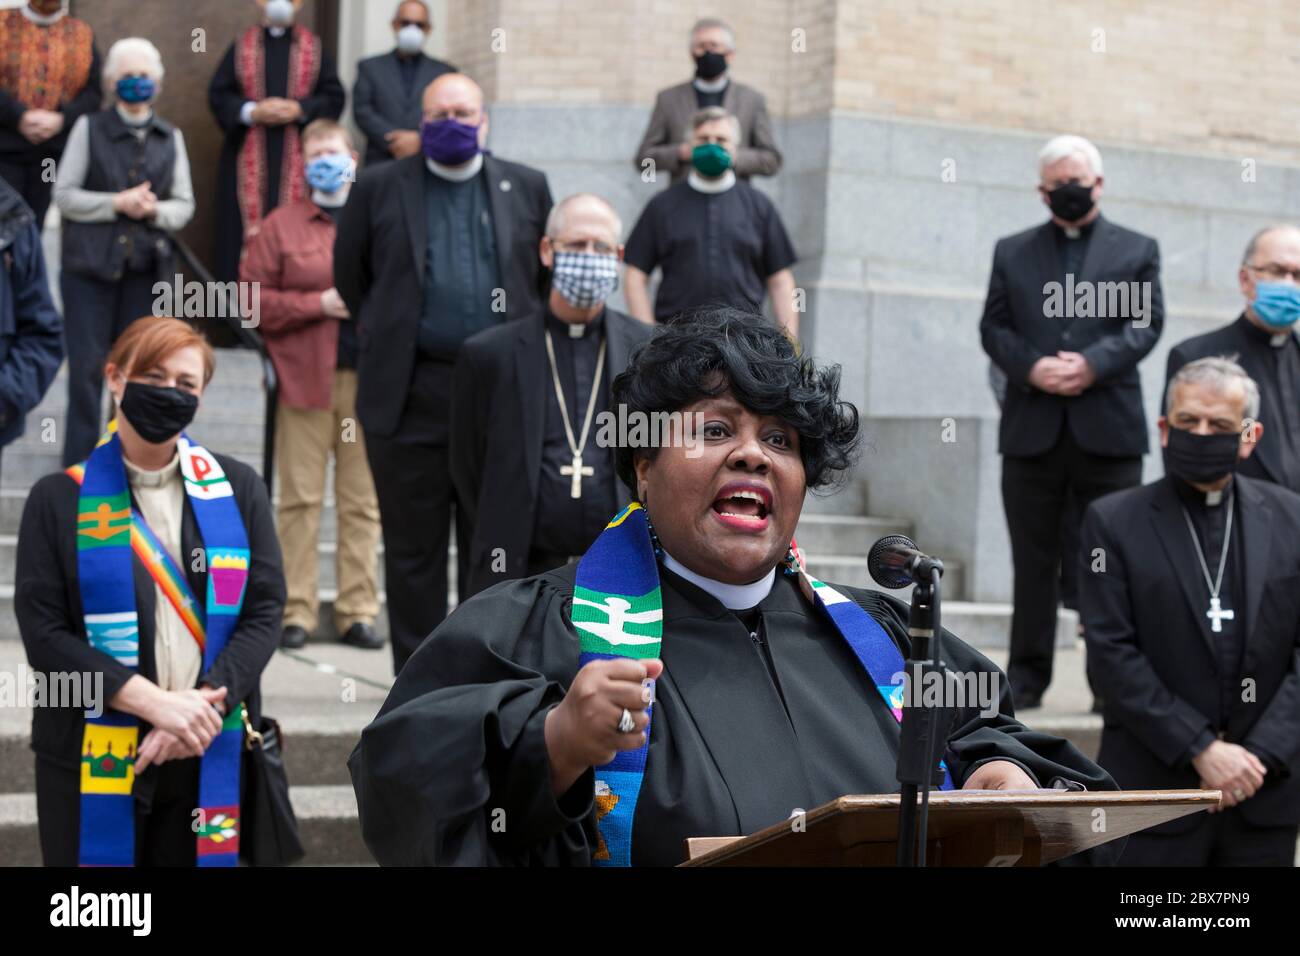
[[329, 173], [136, 89], [1277, 304]]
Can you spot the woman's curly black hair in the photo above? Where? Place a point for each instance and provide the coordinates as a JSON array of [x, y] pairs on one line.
[[758, 364]]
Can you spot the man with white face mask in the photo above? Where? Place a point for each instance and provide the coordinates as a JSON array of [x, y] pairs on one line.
[[274, 80], [312, 339], [527, 402], [386, 98]]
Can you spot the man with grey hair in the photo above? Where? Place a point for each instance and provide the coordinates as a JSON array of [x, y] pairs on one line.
[[1191, 613], [1263, 340], [527, 398], [716, 238], [1073, 306], [666, 145]]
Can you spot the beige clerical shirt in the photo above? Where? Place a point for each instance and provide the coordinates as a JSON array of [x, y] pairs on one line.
[[160, 496]]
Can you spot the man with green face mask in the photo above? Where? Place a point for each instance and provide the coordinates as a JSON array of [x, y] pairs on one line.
[[716, 238]]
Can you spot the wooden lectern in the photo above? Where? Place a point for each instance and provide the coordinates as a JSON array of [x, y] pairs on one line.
[[966, 828]]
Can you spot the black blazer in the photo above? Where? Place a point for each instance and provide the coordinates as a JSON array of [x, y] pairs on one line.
[[381, 104], [498, 403], [47, 603], [379, 268], [1151, 651], [1107, 419], [1249, 345]]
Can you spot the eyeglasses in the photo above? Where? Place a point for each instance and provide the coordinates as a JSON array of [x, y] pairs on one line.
[[1276, 273], [600, 248]]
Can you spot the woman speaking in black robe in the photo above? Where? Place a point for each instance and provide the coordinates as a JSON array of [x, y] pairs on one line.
[[512, 736]]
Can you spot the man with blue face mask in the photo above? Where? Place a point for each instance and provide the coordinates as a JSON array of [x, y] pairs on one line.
[[386, 98], [1264, 342], [526, 405], [312, 338]]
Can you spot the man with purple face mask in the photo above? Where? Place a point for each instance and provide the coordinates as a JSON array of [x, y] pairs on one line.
[[1263, 341], [431, 249]]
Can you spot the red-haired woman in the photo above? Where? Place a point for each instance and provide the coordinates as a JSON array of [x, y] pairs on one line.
[[151, 572]]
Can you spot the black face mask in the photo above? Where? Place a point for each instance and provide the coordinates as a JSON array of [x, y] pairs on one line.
[[709, 66], [156, 413], [1070, 202], [1201, 458]]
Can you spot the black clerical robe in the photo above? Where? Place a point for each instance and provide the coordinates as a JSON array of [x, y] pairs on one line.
[[454, 769], [226, 98]]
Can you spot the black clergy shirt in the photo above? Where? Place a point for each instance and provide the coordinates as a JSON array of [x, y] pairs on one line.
[[1073, 248], [347, 353], [714, 248], [566, 525], [1276, 370], [277, 84], [461, 273], [705, 99], [1210, 521]]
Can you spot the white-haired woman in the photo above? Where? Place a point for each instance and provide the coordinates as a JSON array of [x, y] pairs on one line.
[[123, 186]]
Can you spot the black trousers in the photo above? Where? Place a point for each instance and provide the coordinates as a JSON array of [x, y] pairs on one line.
[[28, 181], [95, 313], [1035, 492], [417, 502], [1219, 839], [163, 831]]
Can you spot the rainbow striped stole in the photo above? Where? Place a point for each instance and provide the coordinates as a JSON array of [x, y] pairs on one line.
[[618, 612], [109, 532]]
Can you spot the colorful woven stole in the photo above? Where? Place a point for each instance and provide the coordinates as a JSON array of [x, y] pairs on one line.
[[250, 173], [618, 612], [109, 531]]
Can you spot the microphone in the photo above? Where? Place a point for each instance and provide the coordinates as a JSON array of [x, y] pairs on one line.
[[895, 562]]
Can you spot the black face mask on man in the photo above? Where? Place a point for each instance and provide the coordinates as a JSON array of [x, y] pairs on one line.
[[1201, 458], [1070, 202], [710, 65], [157, 413]]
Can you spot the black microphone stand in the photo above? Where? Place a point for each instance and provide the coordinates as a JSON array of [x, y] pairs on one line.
[[923, 732]]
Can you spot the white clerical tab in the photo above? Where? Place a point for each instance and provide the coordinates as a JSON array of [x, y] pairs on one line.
[[577, 330], [1215, 497]]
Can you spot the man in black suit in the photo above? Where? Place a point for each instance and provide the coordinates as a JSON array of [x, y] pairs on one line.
[[386, 98], [1262, 340], [535, 482], [1073, 305], [1190, 596], [431, 249]]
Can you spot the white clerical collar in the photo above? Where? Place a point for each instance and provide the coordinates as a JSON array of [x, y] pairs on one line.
[[455, 174], [715, 85], [44, 19], [734, 597], [331, 200], [278, 32], [718, 185], [1279, 339], [1072, 232]]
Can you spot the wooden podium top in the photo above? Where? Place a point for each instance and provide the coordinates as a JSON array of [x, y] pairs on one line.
[[966, 828]]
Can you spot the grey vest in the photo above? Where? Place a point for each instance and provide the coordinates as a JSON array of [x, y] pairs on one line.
[[118, 160]]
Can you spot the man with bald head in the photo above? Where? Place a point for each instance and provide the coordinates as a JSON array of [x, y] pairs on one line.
[[431, 249], [1263, 341], [527, 403]]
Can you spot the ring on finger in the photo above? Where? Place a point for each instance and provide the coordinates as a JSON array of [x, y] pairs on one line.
[[626, 723]]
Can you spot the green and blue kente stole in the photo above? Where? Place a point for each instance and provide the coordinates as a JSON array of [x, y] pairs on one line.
[[618, 612], [109, 532]]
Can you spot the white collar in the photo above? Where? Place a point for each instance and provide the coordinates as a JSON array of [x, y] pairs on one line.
[[129, 120], [734, 597], [1279, 339], [715, 85], [455, 174], [278, 32], [331, 200], [44, 19], [719, 185]]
